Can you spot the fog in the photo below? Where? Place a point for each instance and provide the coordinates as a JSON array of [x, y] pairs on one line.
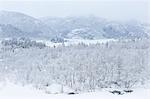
[[122, 10]]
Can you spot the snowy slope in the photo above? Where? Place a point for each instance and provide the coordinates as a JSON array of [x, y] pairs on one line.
[[29, 25], [89, 27], [10, 31], [95, 28], [67, 26]]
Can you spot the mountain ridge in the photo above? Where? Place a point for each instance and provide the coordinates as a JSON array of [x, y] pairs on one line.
[[89, 27]]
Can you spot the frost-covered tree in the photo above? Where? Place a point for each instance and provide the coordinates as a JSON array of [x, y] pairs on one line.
[[123, 64]]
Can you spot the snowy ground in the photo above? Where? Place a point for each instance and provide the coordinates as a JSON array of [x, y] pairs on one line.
[[11, 91], [75, 42]]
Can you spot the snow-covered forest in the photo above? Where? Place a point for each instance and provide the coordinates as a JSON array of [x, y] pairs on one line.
[[74, 49], [115, 64]]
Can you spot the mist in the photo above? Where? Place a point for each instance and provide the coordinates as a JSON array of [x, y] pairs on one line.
[[110, 9]]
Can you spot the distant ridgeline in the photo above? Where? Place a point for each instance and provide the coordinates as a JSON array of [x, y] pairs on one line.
[[90, 27]]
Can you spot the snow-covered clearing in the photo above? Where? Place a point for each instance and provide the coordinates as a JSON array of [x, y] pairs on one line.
[[12, 91], [75, 42]]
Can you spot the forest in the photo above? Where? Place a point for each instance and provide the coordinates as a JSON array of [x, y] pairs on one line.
[[115, 64]]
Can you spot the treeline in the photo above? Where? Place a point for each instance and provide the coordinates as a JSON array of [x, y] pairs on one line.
[[22, 43], [118, 64]]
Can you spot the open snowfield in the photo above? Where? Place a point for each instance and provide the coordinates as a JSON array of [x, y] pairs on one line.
[[11, 91], [75, 42]]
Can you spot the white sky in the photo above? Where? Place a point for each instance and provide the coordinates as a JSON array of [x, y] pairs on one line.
[[110, 9]]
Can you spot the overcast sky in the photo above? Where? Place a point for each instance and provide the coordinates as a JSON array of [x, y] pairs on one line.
[[110, 9]]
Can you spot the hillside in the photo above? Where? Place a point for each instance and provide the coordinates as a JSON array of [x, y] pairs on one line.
[[89, 27], [92, 27], [29, 25]]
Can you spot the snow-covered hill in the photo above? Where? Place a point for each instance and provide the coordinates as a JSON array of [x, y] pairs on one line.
[[10, 31], [89, 27], [29, 25], [67, 26]]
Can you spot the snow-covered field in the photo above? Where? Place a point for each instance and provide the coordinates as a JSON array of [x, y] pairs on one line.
[[75, 42], [13, 91]]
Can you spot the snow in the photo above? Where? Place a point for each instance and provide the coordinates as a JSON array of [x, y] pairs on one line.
[[57, 88], [54, 89], [13, 91], [75, 42]]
